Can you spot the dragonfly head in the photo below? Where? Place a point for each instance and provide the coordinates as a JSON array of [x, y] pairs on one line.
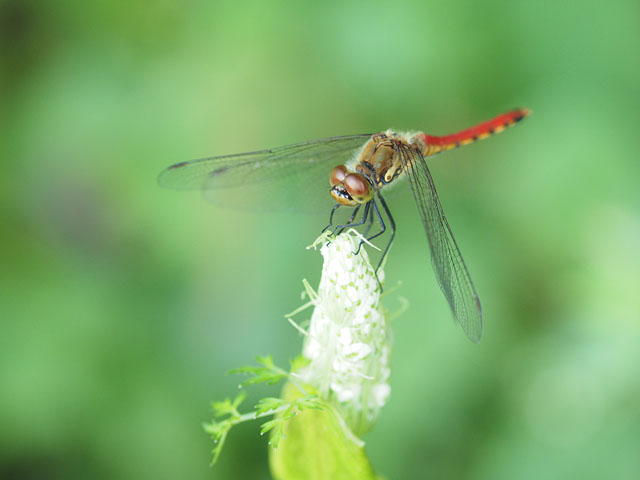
[[350, 189]]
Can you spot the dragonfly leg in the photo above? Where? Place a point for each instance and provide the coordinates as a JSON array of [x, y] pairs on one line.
[[351, 220], [392, 226], [333, 212], [369, 225], [383, 227]]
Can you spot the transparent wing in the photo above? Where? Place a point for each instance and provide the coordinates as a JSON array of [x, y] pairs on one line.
[[291, 178], [452, 273]]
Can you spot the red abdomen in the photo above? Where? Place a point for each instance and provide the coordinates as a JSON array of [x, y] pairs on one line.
[[483, 130]]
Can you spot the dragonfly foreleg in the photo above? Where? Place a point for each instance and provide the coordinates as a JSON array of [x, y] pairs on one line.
[[351, 219], [351, 222], [333, 212], [383, 227], [392, 226], [369, 225]]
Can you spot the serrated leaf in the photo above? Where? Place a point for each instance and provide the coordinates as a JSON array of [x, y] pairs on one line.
[[268, 404], [310, 401], [217, 449], [267, 361], [241, 397], [276, 436], [224, 407], [218, 431], [289, 413], [298, 363], [215, 429], [268, 425], [247, 369], [268, 373], [268, 377]]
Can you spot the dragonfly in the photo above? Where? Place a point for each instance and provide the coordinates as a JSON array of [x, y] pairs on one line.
[[352, 171]]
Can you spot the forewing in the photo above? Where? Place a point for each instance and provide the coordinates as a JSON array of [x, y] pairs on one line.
[[452, 273], [293, 178]]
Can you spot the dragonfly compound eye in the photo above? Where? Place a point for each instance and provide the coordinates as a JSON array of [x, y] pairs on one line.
[[358, 187], [338, 174]]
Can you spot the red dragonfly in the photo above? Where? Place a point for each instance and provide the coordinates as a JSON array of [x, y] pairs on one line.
[[366, 165]]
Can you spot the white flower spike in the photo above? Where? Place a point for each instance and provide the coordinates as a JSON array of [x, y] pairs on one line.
[[349, 340]]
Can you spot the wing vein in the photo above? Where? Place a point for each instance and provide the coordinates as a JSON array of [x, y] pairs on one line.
[[451, 270]]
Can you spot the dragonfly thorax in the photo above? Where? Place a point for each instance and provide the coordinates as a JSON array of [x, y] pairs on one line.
[[380, 159], [378, 164]]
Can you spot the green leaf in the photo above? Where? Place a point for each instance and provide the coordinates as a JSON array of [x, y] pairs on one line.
[[266, 426], [318, 444], [267, 361], [264, 377], [268, 373], [241, 397], [228, 407], [218, 431], [310, 401], [299, 363], [222, 408], [268, 404], [276, 435], [217, 449]]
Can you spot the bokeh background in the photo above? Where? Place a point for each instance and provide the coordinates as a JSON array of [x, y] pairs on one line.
[[123, 304]]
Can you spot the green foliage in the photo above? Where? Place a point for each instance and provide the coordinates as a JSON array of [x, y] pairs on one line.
[[267, 373], [319, 445], [298, 363], [268, 403], [219, 430], [284, 410]]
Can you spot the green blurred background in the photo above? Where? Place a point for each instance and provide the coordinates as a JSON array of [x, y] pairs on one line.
[[123, 304]]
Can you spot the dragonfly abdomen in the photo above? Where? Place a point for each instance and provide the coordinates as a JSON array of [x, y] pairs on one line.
[[481, 131]]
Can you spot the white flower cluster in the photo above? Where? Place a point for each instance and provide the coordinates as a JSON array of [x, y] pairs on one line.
[[348, 344]]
